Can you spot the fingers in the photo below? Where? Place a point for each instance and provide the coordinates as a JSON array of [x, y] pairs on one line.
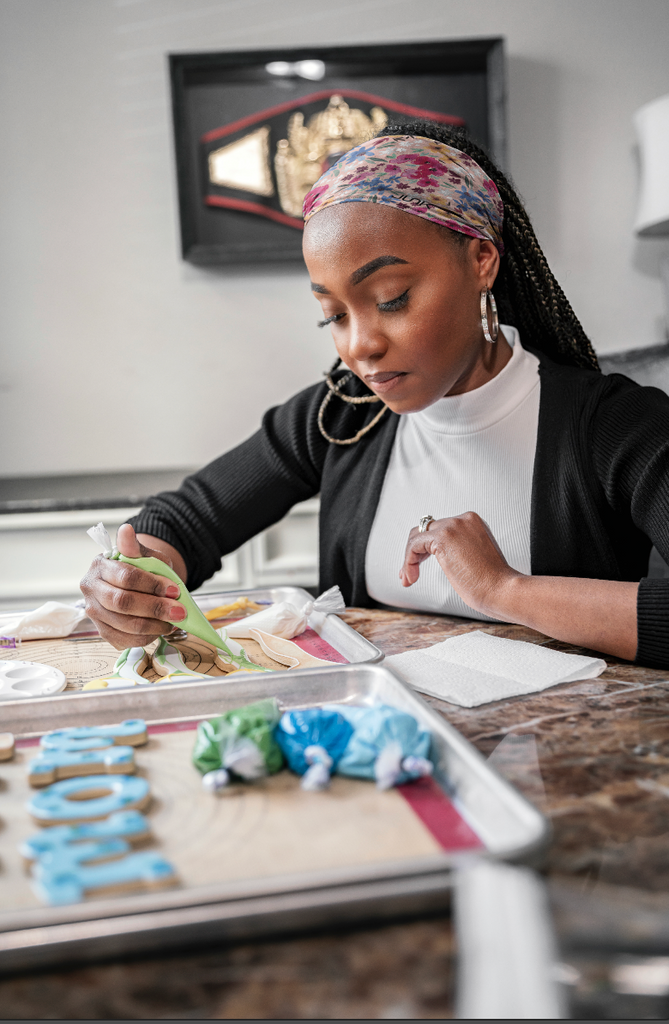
[[122, 629], [121, 640], [129, 606], [127, 543], [457, 542], [130, 546], [129, 577], [468, 555], [419, 547]]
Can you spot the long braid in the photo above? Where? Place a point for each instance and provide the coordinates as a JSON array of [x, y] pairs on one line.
[[527, 293]]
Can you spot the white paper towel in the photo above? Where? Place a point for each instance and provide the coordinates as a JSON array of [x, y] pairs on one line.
[[476, 668]]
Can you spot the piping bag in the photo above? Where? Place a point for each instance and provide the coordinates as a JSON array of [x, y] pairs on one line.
[[313, 740], [287, 620], [238, 745], [195, 622], [50, 620], [386, 745]]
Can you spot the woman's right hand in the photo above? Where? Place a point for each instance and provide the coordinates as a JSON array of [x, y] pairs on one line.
[[129, 606]]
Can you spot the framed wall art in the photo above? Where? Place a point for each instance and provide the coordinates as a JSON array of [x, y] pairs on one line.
[[254, 130]]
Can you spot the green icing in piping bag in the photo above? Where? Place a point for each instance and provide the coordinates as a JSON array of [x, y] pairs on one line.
[[195, 622]]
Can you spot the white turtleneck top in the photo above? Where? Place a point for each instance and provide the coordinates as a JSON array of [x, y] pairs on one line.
[[466, 453]]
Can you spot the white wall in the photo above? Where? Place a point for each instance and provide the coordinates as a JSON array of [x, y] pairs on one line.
[[116, 354]]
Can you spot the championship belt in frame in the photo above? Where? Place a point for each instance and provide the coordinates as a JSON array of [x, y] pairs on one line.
[[266, 163]]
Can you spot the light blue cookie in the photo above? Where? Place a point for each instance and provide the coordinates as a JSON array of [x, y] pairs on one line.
[[51, 765], [131, 733], [129, 825], [63, 881], [62, 803]]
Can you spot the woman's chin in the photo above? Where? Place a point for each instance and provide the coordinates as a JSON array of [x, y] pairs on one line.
[[409, 403]]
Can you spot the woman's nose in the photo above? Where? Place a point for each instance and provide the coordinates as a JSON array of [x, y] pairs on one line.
[[365, 342]]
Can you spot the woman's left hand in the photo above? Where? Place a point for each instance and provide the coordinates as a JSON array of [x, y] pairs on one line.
[[469, 556]]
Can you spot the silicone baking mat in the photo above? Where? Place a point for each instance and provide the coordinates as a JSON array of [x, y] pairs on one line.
[[85, 656]]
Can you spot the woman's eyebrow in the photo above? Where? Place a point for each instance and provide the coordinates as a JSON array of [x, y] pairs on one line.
[[381, 261], [362, 272]]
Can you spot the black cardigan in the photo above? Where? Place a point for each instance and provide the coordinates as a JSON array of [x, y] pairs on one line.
[[600, 493]]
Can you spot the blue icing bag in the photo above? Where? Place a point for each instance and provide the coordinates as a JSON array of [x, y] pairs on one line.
[[313, 740], [69, 882], [387, 745], [65, 802]]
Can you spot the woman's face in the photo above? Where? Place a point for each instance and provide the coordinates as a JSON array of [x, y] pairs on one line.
[[403, 302]]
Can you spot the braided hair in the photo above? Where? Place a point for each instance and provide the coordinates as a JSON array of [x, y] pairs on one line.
[[527, 294]]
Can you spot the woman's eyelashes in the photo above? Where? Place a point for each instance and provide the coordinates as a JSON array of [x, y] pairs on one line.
[[334, 319], [385, 307], [394, 304]]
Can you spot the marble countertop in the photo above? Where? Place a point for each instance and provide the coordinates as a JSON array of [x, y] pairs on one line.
[[593, 755]]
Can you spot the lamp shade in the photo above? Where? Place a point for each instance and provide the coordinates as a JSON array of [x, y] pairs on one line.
[[652, 127]]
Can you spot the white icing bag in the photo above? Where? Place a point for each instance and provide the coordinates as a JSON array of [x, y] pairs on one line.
[[100, 536], [286, 620], [49, 621]]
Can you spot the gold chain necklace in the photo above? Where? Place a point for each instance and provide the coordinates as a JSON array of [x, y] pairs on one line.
[[335, 389]]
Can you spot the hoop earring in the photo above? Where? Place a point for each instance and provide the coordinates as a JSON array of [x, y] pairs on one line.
[[490, 328]]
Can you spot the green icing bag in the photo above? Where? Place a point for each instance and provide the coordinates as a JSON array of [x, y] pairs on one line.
[[226, 742], [195, 622]]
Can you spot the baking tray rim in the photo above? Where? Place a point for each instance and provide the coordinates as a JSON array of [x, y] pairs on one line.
[[316, 620], [431, 867], [285, 590], [261, 916]]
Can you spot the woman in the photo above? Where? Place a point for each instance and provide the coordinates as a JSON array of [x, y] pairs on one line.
[[463, 467]]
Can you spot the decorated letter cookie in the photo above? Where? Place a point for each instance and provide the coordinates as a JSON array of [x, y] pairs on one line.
[[6, 746], [122, 826], [189, 656], [72, 862], [51, 765], [88, 799], [89, 820], [64, 881], [128, 671], [130, 733]]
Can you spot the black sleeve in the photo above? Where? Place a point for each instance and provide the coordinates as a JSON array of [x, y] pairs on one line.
[[631, 450], [244, 491]]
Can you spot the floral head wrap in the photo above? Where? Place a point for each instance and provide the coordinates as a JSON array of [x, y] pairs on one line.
[[417, 175]]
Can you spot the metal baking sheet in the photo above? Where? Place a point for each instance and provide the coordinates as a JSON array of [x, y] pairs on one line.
[[345, 640], [509, 827], [84, 655]]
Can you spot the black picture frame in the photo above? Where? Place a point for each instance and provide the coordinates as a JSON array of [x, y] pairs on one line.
[[214, 93]]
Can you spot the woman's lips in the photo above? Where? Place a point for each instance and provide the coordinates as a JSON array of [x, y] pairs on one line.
[[384, 382]]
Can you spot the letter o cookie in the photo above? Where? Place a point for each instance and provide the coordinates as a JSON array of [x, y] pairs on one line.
[[90, 798]]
